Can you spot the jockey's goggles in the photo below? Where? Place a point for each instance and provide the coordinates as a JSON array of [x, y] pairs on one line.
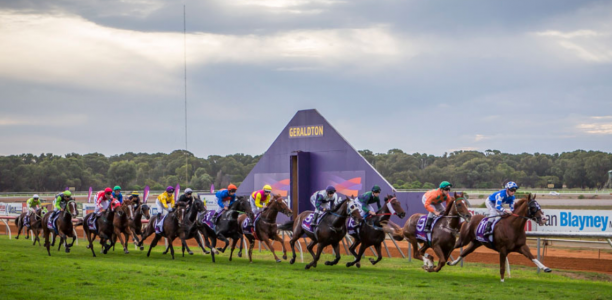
[[513, 190], [446, 189]]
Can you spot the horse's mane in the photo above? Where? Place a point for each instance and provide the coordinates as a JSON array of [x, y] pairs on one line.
[[183, 204], [449, 206], [520, 203]]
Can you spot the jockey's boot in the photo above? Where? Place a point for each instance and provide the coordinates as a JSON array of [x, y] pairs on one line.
[[428, 225], [26, 220], [488, 230], [159, 217], [315, 219]]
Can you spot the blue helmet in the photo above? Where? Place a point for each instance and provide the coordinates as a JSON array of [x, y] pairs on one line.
[[330, 189], [512, 185]]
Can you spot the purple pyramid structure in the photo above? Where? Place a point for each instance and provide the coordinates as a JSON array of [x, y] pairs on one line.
[[308, 155]]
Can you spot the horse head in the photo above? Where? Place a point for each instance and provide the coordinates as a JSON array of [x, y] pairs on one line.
[[280, 205], [179, 213], [243, 205], [394, 206], [71, 208], [352, 210], [461, 206], [534, 211], [127, 207], [146, 211]]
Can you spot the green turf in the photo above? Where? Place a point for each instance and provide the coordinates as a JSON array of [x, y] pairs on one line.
[[26, 272]]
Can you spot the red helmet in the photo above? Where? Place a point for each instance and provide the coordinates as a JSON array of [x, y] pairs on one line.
[[231, 187], [115, 204], [108, 190]]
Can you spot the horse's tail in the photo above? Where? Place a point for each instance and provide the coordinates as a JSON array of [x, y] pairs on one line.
[[17, 221], [395, 230], [286, 226]]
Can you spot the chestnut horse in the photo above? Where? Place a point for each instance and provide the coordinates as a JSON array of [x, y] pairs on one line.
[[371, 231], [123, 215], [331, 230], [265, 226], [172, 226], [508, 234], [443, 234], [64, 225]]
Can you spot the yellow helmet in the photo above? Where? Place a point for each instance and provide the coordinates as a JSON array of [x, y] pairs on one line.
[[267, 187]]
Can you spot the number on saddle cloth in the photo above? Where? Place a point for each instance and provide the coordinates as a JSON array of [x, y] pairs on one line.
[[307, 223], [420, 227], [159, 225], [480, 230]]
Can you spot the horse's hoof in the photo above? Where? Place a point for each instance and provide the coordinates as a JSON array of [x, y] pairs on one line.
[[141, 248], [358, 265], [307, 267], [372, 260], [278, 260], [190, 253], [206, 252], [502, 281], [67, 250], [285, 257], [126, 252], [348, 264], [16, 238], [292, 261], [547, 270], [239, 254], [328, 263], [87, 247]]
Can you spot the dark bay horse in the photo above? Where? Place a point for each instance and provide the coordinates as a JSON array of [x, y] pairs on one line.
[[35, 224], [371, 232], [189, 230], [64, 225], [508, 234], [123, 215], [141, 211], [265, 226], [105, 229], [227, 227], [443, 234], [330, 231], [171, 227]]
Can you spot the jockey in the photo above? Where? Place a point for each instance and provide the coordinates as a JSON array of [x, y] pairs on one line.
[[117, 194], [259, 200], [165, 202], [322, 201], [225, 198], [435, 202], [496, 200], [103, 199], [368, 198], [33, 204], [57, 205], [186, 197], [135, 198]]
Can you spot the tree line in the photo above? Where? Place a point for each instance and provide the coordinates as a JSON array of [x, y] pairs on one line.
[[465, 169]]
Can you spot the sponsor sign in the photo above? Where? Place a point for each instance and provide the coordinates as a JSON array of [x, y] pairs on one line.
[[88, 208], [3, 208], [15, 208], [210, 201], [306, 131]]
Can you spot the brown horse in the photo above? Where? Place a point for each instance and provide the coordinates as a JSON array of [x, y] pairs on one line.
[[123, 215], [104, 226], [371, 232], [331, 230], [20, 224], [171, 227], [443, 234], [189, 229], [265, 226], [141, 211], [508, 234], [34, 224], [64, 225]]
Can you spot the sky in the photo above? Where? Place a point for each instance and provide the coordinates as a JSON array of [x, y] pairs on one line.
[[430, 76]]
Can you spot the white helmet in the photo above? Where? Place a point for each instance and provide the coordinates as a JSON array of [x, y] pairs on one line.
[[188, 190], [35, 196]]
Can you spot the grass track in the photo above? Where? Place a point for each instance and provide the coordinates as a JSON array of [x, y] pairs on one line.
[[26, 272]]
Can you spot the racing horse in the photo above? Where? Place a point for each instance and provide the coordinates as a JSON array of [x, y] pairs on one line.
[[172, 225], [443, 234], [189, 229], [104, 228], [121, 224], [508, 234], [227, 227], [371, 232], [142, 210], [330, 230], [35, 224], [64, 225], [265, 227]]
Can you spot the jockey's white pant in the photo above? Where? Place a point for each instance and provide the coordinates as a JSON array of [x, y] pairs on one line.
[[225, 204], [492, 211], [32, 209], [439, 207], [160, 208], [254, 207], [103, 205]]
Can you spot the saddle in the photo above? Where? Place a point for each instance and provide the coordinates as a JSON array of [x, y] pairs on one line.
[[420, 234], [480, 231], [307, 223]]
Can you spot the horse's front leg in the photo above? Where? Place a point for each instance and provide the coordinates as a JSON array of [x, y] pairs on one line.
[[336, 247], [378, 252], [280, 240], [117, 234], [267, 241]]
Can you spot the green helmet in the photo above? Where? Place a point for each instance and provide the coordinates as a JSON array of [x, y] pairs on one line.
[[376, 189], [67, 193], [116, 188], [445, 184]]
